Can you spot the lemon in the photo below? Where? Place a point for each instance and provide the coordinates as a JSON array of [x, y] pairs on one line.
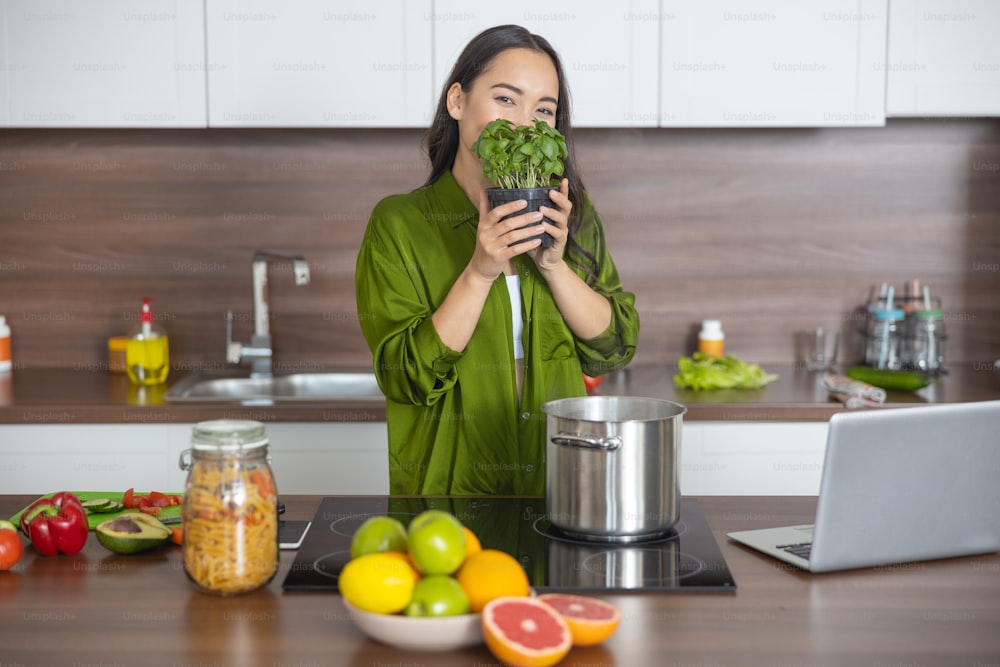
[[381, 583]]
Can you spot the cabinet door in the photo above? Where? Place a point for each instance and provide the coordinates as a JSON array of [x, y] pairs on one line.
[[752, 458], [772, 63], [944, 58], [115, 63], [311, 63], [608, 51]]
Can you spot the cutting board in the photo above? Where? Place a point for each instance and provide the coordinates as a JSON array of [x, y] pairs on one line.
[[170, 514]]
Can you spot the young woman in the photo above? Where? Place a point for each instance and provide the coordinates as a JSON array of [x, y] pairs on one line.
[[471, 332]]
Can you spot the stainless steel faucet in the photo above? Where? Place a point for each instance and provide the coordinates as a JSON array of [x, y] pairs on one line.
[[259, 351]]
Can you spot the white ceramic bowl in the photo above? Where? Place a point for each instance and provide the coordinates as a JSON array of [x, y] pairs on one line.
[[420, 634]]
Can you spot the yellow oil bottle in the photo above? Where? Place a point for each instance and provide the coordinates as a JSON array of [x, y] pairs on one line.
[[147, 352]]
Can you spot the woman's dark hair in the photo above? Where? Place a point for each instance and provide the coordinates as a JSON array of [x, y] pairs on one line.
[[442, 142]]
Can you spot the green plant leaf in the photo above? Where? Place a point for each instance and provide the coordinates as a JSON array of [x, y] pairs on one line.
[[521, 156]]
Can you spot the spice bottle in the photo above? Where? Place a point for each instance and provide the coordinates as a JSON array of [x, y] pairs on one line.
[[5, 357], [711, 339], [230, 508]]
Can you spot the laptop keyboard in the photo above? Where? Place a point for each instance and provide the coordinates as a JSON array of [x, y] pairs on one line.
[[801, 550]]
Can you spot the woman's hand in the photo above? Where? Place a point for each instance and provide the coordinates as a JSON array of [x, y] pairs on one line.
[[497, 240], [557, 225]]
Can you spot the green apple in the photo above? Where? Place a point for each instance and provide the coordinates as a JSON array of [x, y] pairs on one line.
[[377, 534], [438, 595], [437, 542]]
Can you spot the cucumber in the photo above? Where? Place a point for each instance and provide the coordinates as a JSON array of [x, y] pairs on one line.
[[101, 505], [886, 379]]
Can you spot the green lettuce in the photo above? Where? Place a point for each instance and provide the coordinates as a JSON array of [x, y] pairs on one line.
[[707, 371]]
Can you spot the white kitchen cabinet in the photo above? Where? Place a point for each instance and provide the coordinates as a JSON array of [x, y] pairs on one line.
[[312, 63], [608, 51], [114, 63], [944, 58], [772, 63], [312, 458], [717, 458], [752, 458]]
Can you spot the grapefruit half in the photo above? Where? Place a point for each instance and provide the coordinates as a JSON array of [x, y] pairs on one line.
[[524, 632], [591, 621]]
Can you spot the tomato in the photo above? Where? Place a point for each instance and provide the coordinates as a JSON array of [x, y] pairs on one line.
[[11, 547], [157, 499], [592, 383], [127, 499]]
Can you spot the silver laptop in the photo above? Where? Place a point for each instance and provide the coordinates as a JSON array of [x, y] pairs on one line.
[[899, 485]]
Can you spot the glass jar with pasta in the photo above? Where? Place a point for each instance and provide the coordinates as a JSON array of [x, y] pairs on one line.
[[230, 509]]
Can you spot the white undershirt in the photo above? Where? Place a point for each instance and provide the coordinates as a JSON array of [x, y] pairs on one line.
[[514, 291]]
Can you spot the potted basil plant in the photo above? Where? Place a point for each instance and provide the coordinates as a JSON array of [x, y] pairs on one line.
[[523, 162]]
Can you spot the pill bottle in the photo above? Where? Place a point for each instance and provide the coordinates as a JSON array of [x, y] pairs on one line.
[[711, 339], [5, 358]]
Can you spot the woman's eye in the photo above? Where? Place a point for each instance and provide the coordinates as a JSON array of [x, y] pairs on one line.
[[547, 112], [505, 99]]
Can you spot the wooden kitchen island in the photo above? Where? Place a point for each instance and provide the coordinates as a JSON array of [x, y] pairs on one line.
[[99, 608]]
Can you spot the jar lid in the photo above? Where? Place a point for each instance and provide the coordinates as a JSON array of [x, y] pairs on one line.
[[117, 343], [894, 314], [228, 435], [932, 314]]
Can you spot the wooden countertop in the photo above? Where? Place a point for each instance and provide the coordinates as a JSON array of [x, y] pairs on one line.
[[70, 396], [100, 608]]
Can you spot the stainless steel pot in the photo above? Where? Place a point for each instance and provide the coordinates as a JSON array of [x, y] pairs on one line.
[[611, 467]]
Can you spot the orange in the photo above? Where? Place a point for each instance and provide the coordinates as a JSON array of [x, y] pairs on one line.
[[525, 632], [381, 583], [472, 544], [490, 574], [590, 621]]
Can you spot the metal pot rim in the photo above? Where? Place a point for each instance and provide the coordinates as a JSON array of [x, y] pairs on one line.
[[575, 408]]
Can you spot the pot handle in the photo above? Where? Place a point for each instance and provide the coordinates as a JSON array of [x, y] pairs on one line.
[[608, 444]]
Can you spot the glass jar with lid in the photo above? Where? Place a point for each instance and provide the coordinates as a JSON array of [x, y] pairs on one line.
[[882, 343], [230, 509]]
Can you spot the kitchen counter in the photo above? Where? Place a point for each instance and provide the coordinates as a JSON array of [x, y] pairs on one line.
[[69, 396], [100, 608]]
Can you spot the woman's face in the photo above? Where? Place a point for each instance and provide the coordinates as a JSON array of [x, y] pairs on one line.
[[519, 85]]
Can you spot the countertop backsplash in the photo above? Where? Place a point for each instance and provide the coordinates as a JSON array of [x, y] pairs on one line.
[[774, 232]]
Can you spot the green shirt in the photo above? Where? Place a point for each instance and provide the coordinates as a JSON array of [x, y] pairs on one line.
[[455, 424]]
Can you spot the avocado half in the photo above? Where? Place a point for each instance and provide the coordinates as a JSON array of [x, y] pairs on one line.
[[131, 533]]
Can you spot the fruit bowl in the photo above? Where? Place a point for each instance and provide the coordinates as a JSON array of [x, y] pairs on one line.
[[442, 633]]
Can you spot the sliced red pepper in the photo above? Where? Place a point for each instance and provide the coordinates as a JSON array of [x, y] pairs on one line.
[[127, 501], [56, 524], [150, 509]]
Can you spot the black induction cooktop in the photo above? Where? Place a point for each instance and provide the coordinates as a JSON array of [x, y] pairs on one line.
[[685, 559]]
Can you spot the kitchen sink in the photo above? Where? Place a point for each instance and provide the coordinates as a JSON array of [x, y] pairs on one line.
[[295, 387]]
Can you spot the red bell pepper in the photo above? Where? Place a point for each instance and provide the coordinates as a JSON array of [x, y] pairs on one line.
[[56, 524]]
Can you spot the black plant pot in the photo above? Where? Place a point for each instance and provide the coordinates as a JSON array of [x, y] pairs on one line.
[[535, 197]]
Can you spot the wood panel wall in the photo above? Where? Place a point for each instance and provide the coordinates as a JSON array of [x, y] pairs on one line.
[[771, 231]]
